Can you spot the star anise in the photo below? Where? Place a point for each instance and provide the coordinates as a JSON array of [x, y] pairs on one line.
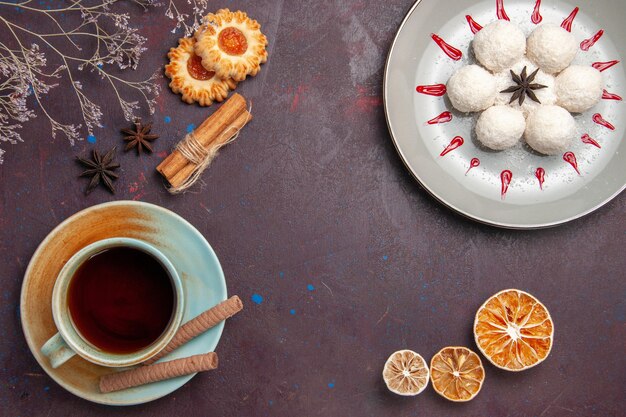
[[100, 169], [140, 138], [524, 87]]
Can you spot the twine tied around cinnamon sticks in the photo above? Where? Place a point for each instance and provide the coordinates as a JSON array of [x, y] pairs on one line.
[[184, 166]]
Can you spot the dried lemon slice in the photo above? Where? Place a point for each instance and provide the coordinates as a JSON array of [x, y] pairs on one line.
[[457, 373], [406, 373], [191, 79], [231, 44], [514, 330]]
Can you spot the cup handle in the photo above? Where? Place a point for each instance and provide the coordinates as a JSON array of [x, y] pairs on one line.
[[57, 350]]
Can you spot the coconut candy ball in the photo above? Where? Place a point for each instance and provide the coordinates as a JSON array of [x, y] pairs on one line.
[[552, 48], [471, 88], [579, 88], [545, 95], [499, 45], [550, 129], [500, 127]]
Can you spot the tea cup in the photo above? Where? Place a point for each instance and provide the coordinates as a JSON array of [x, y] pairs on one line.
[[69, 341]]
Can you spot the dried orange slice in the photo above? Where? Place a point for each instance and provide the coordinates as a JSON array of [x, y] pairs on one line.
[[457, 373], [514, 330], [406, 373]]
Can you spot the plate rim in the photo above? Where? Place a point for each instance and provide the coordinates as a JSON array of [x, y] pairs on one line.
[[434, 194], [45, 241]]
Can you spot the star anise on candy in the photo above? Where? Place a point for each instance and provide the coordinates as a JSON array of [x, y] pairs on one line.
[[139, 138], [100, 169], [525, 87]]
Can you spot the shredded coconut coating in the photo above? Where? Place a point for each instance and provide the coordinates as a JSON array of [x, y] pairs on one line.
[[550, 129], [499, 45], [472, 88], [500, 127], [579, 88], [545, 95], [552, 48]]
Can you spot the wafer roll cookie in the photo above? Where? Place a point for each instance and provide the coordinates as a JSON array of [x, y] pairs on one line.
[[158, 372], [199, 325]]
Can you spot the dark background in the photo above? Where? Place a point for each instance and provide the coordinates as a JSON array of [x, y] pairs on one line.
[[313, 192]]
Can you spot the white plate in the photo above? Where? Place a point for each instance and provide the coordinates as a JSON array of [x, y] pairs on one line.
[[415, 59]]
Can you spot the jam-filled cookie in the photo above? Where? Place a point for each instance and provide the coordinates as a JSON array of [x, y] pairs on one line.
[[191, 79], [231, 44]]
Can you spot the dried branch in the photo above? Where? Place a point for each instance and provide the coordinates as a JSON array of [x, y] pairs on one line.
[[24, 53], [24, 70], [198, 9]]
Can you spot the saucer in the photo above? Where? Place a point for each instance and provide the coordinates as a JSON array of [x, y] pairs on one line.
[[199, 269]]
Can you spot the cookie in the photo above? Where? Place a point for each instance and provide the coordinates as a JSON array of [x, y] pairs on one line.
[[191, 79], [231, 44]]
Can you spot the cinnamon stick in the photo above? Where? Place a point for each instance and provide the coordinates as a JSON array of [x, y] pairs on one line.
[[200, 324], [183, 173], [208, 131], [158, 372]]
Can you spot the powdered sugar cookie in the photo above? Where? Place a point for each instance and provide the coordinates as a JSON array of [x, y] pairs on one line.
[[231, 44], [191, 79]]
